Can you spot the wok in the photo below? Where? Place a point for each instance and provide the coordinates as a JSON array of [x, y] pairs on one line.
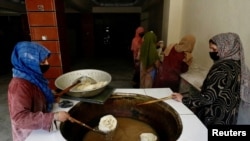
[[160, 116]]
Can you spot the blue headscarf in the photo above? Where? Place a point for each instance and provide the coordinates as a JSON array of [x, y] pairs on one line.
[[26, 58]]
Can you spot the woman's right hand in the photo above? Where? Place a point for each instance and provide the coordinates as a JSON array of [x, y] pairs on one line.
[[61, 116]]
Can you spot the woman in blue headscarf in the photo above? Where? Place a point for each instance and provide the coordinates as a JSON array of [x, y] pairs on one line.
[[29, 97]]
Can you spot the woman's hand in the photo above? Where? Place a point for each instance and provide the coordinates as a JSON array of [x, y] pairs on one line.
[[57, 98], [61, 116], [177, 96], [157, 64]]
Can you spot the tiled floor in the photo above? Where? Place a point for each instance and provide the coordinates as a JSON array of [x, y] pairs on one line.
[[120, 68], [5, 127]]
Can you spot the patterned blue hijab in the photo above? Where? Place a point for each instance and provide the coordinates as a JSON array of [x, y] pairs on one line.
[[26, 58]]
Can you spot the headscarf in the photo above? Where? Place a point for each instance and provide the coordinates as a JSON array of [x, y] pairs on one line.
[[26, 58], [149, 53], [230, 47], [185, 45], [137, 41]]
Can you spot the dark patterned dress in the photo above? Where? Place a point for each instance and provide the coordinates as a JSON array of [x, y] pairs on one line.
[[218, 101]]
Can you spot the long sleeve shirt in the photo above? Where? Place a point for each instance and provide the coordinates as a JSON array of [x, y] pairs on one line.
[[27, 107]]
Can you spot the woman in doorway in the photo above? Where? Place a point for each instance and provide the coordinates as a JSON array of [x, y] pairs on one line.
[[135, 48]]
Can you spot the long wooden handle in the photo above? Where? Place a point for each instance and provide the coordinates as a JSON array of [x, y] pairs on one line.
[[157, 100], [66, 89], [81, 123], [87, 126]]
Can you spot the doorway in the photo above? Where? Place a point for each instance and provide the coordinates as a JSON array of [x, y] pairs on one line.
[[113, 33]]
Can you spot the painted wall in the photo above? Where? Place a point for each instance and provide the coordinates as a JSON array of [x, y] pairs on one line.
[[206, 18], [174, 20]]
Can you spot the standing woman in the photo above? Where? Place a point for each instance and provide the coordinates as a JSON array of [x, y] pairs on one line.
[[219, 98], [149, 60], [30, 99], [177, 59], [135, 48]]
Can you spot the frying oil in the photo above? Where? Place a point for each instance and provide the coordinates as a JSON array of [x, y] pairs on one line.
[[127, 129]]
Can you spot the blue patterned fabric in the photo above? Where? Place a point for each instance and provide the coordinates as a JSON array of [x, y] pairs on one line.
[[26, 58]]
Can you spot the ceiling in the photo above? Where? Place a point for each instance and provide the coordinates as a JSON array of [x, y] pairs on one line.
[[18, 6]]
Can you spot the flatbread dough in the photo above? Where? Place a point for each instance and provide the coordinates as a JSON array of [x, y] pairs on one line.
[[87, 86], [107, 123], [148, 137]]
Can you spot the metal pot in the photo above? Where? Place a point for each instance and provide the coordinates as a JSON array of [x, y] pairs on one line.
[[160, 116], [67, 79]]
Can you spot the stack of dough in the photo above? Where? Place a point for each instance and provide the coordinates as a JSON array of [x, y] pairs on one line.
[[86, 86], [107, 123], [148, 137]]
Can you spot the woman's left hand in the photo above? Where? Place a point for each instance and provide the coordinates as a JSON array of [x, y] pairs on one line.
[[177, 96]]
